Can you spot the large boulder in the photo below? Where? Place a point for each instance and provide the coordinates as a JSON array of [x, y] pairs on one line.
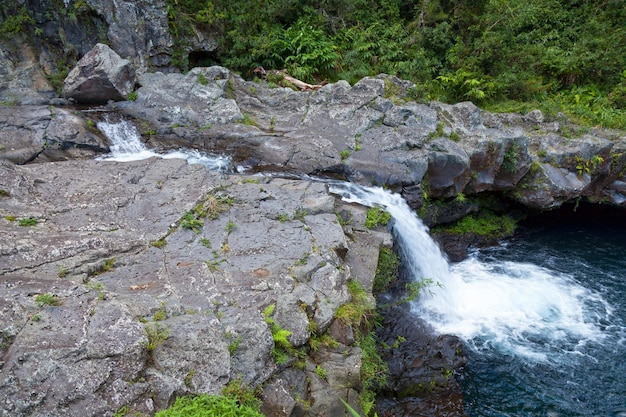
[[101, 75]]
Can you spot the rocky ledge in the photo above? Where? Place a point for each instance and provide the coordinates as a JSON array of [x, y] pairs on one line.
[[128, 284]]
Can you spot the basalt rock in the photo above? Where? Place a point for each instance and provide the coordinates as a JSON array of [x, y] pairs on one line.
[[100, 75], [156, 276], [359, 133], [43, 134]]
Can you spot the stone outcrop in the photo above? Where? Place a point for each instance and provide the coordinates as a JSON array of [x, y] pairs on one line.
[[100, 76], [44, 134], [365, 135], [157, 275]]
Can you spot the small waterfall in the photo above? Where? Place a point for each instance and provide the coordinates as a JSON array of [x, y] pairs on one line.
[[126, 146], [519, 308]]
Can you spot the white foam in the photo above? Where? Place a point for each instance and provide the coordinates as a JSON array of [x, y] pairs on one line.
[[518, 308], [126, 146]]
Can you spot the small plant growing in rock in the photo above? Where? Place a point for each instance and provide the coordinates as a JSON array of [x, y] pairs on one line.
[[62, 271], [304, 259], [202, 80], [282, 346], [132, 96], [511, 158], [28, 222], [106, 266], [230, 227], [283, 217], [161, 313], [321, 372], [300, 215], [48, 299], [375, 217], [157, 335], [344, 154], [189, 221], [158, 243], [4, 193]]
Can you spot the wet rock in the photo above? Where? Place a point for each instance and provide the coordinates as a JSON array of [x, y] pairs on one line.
[[43, 134], [422, 366]]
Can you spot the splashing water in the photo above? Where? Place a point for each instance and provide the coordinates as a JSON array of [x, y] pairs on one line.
[[518, 308], [127, 146]]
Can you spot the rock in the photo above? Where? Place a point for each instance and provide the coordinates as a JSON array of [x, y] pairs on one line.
[[137, 30], [22, 79], [421, 366], [43, 134], [100, 75], [448, 168], [138, 323]]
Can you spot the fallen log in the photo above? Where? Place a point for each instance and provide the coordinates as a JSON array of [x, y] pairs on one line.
[[289, 81]]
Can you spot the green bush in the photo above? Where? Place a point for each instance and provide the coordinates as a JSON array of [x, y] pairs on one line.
[[208, 406]]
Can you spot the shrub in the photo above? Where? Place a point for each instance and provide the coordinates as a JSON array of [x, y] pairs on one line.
[[48, 299], [208, 406], [375, 217]]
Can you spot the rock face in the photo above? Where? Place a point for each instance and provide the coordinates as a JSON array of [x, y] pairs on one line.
[[43, 134], [101, 75], [366, 136], [157, 274]]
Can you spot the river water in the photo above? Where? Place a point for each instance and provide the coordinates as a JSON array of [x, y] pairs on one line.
[[545, 336], [542, 316]]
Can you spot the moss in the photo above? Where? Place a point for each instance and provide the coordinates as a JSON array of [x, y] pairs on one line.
[[375, 217], [486, 224]]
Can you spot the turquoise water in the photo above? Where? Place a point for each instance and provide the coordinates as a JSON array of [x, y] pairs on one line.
[[563, 365]]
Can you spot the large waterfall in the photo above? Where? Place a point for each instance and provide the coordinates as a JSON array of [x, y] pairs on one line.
[[540, 333]]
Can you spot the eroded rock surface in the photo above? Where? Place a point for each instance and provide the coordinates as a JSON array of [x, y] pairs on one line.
[[161, 271]]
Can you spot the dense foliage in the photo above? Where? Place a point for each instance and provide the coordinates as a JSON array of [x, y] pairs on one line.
[[209, 406], [506, 55], [559, 55]]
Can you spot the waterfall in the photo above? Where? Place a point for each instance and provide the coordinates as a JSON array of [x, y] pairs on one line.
[[517, 307], [126, 145]]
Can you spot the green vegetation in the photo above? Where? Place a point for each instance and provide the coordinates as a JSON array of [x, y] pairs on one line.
[[210, 207], [230, 226], [209, 405], [158, 243], [48, 299], [157, 335], [375, 217], [386, 270], [283, 349], [485, 224], [360, 315], [28, 222], [62, 271], [132, 96], [4, 193], [556, 56], [106, 266]]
